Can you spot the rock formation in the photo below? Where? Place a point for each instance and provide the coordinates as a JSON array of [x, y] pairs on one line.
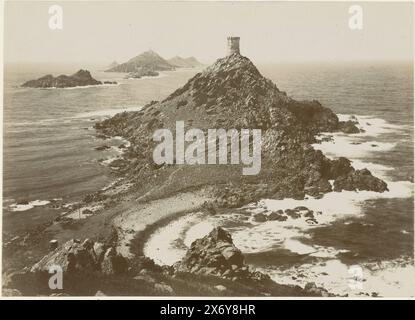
[[148, 61], [143, 72], [212, 266], [233, 94], [79, 79], [86, 257], [112, 65], [215, 254]]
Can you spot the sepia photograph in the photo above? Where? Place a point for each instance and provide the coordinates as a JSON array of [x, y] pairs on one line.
[[206, 149]]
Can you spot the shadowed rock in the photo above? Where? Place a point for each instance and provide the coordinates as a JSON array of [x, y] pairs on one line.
[[215, 254], [79, 79]]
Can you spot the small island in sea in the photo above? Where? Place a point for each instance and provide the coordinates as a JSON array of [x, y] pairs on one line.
[[142, 72], [149, 63], [79, 79], [146, 64]]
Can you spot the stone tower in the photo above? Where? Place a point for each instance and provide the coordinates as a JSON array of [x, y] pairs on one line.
[[233, 45]]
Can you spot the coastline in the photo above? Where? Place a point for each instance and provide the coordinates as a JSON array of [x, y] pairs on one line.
[[135, 220]]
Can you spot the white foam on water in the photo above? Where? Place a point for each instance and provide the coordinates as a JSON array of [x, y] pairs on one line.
[[350, 146], [298, 247], [395, 278]]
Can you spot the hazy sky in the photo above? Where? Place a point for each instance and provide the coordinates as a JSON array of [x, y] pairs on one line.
[[270, 32]]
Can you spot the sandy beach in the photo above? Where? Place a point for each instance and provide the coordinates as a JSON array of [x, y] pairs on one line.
[[139, 217]]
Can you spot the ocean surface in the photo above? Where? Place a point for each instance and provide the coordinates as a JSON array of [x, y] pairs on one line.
[[363, 243], [49, 139]]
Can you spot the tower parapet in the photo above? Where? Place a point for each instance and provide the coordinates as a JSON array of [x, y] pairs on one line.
[[233, 45]]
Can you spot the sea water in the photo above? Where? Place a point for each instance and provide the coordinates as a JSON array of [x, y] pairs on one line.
[[49, 140], [363, 242]]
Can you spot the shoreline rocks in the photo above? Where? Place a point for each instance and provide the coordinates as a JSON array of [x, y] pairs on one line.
[[215, 254], [86, 257]]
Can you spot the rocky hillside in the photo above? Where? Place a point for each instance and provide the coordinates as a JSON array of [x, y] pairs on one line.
[[233, 94], [190, 62], [148, 60], [81, 78]]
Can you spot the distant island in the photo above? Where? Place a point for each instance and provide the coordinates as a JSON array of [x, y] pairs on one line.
[[190, 62], [79, 79]]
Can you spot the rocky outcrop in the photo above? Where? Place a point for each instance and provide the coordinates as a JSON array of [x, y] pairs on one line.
[[148, 60], [112, 65], [360, 180], [212, 266], [349, 127], [86, 257], [215, 254], [230, 94], [79, 79]]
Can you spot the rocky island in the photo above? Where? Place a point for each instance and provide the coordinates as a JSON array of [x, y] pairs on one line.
[[190, 62], [142, 72], [79, 79], [231, 93]]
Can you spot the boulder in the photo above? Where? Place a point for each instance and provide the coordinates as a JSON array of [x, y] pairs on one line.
[[71, 257], [360, 180], [211, 254], [260, 217], [75, 257], [215, 254], [277, 216], [113, 263]]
